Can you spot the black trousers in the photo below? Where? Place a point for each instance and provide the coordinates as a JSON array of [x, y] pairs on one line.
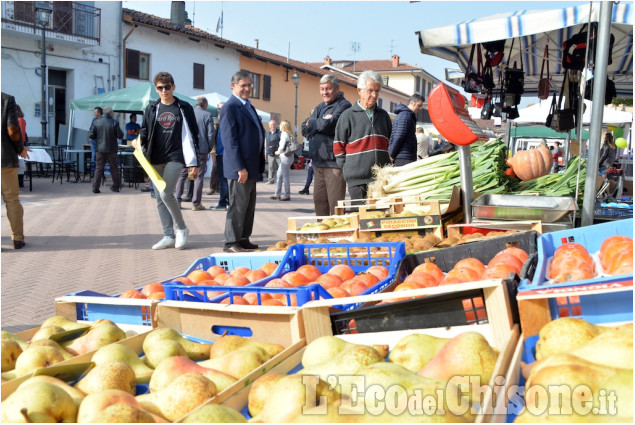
[[100, 163], [242, 208]]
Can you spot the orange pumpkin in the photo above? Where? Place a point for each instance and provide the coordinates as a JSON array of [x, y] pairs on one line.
[[532, 163]]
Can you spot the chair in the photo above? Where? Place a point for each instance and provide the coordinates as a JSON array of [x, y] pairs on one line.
[[62, 163]]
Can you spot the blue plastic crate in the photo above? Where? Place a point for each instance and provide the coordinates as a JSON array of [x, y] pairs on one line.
[[359, 256], [139, 312]]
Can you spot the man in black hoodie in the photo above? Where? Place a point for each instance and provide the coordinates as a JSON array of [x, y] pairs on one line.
[[403, 140]]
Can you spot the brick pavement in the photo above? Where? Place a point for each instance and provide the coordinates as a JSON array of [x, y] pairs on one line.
[[77, 240]]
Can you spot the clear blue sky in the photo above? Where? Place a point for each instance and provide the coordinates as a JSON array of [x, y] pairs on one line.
[[311, 30]]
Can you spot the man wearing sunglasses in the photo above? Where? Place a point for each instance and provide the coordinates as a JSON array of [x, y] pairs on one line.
[[169, 137]]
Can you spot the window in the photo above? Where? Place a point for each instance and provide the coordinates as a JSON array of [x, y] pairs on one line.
[[266, 87], [392, 106], [255, 80], [23, 11], [199, 76], [137, 65], [417, 84], [380, 102], [386, 79]]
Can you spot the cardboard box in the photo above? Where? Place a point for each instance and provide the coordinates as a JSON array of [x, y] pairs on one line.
[[89, 306]]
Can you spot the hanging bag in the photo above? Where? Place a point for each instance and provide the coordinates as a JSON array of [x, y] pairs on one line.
[[574, 50], [473, 82], [514, 79], [488, 108], [562, 120], [543, 83]]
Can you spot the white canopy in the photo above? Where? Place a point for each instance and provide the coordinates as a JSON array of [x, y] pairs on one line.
[[215, 98], [535, 28], [537, 114]]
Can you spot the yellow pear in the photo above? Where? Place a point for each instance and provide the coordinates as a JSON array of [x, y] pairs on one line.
[[97, 336], [127, 355], [327, 347], [348, 362], [260, 390], [50, 343], [9, 351], [46, 331], [238, 363], [13, 337], [39, 402], [214, 413], [37, 357], [414, 351], [156, 353], [231, 342], [96, 408], [194, 350], [118, 413], [63, 323], [183, 395], [112, 375], [613, 347], [75, 394], [563, 335], [172, 367]]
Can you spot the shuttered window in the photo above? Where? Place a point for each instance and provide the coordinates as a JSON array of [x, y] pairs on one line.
[[266, 87], [199, 76]]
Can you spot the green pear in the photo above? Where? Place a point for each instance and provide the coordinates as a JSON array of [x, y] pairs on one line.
[[50, 343], [127, 355], [37, 357], [347, 362], [156, 353], [231, 342], [98, 335], [238, 363], [39, 402], [214, 413], [9, 350], [13, 337], [96, 408], [63, 323], [327, 347], [414, 351], [172, 367], [260, 391], [46, 331], [112, 375], [75, 394], [613, 347], [182, 396], [194, 350], [563, 335]]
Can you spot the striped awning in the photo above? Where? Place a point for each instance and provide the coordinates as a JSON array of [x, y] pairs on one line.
[[535, 29]]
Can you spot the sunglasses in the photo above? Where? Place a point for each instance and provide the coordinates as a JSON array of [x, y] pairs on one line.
[[167, 87]]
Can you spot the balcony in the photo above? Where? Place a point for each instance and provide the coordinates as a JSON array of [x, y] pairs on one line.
[[73, 23]]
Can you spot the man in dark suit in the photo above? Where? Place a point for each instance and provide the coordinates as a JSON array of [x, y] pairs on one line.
[[242, 135], [106, 131]]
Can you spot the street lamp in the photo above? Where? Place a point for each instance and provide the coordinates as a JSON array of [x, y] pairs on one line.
[[42, 15], [296, 82]]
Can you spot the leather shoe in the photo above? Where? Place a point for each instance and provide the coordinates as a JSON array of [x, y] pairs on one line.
[[114, 189], [275, 198], [248, 245], [303, 192], [186, 199], [18, 244], [234, 248], [96, 191]]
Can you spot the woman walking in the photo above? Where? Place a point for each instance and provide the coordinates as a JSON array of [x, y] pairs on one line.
[[608, 153], [285, 152]]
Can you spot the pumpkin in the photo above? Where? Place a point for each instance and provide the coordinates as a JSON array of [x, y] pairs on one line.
[[532, 163]]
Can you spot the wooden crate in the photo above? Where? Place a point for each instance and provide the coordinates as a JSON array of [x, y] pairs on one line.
[[484, 227], [334, 235]]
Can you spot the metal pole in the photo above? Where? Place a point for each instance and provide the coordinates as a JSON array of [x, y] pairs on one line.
[[295, 124], [43, 109], [595, 130], [465, 163]]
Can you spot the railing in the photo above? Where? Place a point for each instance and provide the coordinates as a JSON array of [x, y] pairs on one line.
[[69, 21]]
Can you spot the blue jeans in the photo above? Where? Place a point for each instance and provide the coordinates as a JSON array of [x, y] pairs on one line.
[[93, 155], [222, 183]]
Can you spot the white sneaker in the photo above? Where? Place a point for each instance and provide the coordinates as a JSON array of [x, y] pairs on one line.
[[166, 242], [181, 238]]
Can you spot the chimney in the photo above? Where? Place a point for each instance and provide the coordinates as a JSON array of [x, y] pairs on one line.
[[257, 43], [327, 60], [395, 61], [177, 14]]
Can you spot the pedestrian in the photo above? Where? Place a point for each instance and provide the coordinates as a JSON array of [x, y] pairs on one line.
[[361, 136], [205, 124], [608, 153], [285, 153], [97, 113], [309, 175], [214, 175], [556, 154], [12, 148], [217, 154], [169, 135], [132, 129], [272, 140], [242, 135], [25, 140], [423, 143], [105, 131], [402, 147], [319, 130]]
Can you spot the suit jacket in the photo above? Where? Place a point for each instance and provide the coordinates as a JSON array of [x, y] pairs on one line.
[[11, 134], [243, 140]]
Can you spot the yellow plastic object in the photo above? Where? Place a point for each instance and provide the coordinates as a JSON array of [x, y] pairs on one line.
[[157, 180]]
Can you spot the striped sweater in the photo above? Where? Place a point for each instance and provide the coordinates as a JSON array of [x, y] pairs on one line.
[[359, 143]]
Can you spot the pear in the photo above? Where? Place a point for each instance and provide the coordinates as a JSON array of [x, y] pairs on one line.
[[231, 342], [9, 350], [50, 343], [98, 335], [563, 335], [127, 355], [214, 413], [13, 337], [260, 390], [118, 413], [613, 347], [414, 351], [327, 347], [46, 331], [194, 350], [113, 375], [39, 402], [347, 362], [172, 367], [37, 357], [92, 408], [466, 355], [63, 323], [75, 394], [183, 395], [238, 363], [155, 354]]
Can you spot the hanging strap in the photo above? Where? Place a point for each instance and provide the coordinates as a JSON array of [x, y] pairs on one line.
[[479, 67], [469, 62], [564, 83], [545, 58]]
